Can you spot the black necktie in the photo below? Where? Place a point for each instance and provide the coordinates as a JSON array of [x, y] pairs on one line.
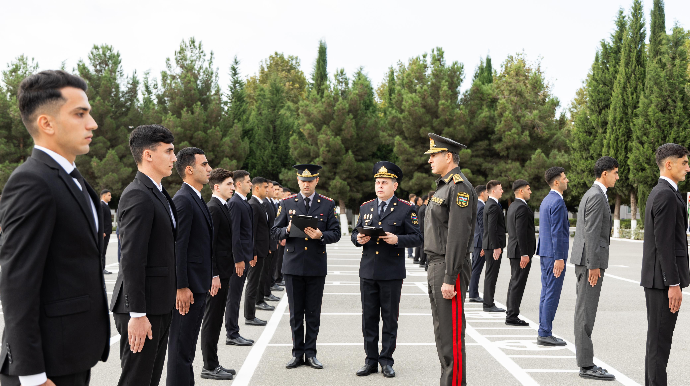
[[76, 175], [306, 204], [383, 208]]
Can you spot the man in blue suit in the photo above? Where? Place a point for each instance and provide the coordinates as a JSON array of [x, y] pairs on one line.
[[478, 253], [554, 237]]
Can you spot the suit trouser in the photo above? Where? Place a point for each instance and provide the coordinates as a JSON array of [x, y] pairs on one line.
[[278, 274], [516, 287], [380, 297], [211, 325], [551, 287], [254, 292], [417, 254], [490, 277], [184, 333], [232, 310], [267, 277], [106, 240], [477, 267], [305, 295], [586, 306], [660, 325], [79, 379], [145, 367], [449, 322]]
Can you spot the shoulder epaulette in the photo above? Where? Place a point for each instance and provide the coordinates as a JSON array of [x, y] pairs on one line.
[[327, 198], [364, 203], [293, 196], [405, 202], [457, 179]]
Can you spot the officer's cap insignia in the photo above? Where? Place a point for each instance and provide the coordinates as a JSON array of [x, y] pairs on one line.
[[463, 199], [457, 179]]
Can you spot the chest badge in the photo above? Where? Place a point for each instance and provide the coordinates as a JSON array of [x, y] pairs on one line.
[[463, 199]]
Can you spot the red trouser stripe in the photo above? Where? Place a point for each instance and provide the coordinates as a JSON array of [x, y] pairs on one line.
[[457, 335]]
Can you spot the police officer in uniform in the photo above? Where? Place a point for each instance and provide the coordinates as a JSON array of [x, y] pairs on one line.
[[304, 262], [448, 230], [382, 268]]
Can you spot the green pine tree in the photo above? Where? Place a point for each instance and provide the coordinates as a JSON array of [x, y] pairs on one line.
[[319, 78]]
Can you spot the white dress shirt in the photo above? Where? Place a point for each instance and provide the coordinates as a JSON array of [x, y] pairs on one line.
[[220, 199], [493, 199], [521, 200], [670, 181], [602, 187], [198, 193], [559, 193]]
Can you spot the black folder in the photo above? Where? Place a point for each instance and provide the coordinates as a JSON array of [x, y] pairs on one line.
[[300, 222], [371, 231]]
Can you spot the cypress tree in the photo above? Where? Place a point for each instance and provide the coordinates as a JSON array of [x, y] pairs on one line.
[[319, 77]]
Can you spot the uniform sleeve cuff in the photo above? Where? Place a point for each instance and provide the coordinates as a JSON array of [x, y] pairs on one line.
[[674, 285], [137, 314], [449, 279], [33, 380]]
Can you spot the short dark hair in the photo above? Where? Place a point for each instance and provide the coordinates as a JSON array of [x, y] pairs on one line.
[[286, 190], [431, 193], [553, 173], [424, 198], [258, 180], [218, 175], [275, 183], [105, 191], [604, 164], [44, 88], [480, 189], [186, 157], [519, 184], [668, 150], [238, 175], [148, 137], [492, 184], [411, 196]]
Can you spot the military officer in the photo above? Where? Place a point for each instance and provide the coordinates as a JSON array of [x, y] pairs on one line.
[[448, 229], [382, 268], [304, 261]]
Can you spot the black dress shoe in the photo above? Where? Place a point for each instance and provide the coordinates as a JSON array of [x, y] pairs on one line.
[[388, 371], [271, 298], [239, 341], [255, 322], [314, 363], [550, 341], [597, 373], [294, 362], [276, 287], [247, 339], [493, 309], [219, 373], [265, 306], [517, 322], [368, 369], [106, 272], [476, 300]]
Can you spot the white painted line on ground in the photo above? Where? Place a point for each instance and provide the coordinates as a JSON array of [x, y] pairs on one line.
[[551, 371], [114, 339], [510, 336], [360, 314], [353, 344], [502, 328], [543, 356], [357, 293], [252, 360]]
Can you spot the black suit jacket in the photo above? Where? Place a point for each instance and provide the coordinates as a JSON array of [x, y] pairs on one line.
[[272, 211], [51, 281], [521, 239], [494, 226], [107, 219], [242, 229], [306, 257], [223, 262], [479, 226], [146, 281], [194, 242], [665, 248], [260, 227]]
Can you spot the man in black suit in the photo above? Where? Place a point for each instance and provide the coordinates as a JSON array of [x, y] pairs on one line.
[[269, 263], [493, 242], [52, 230], [144, 294], [305, 262], [193, 248], [278, 195], [521, 246], [478, 260], [382, 268], [664, 259], [241, 228], [106, 196], [262, 236], [222, 185]]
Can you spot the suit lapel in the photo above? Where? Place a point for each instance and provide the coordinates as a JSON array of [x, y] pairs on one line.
[[163, 197], [224, 209], [314, 205], [389, 208], [300, 204], [199, 203]]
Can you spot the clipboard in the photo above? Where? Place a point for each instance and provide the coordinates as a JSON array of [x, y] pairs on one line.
[[371, 231], [300, 222]]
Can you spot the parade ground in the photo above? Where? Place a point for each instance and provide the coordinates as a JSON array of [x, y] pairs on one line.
[[496, 354]]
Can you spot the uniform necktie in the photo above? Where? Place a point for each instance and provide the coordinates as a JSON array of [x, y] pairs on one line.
[[383, 208], [306, 204], [77, 176]]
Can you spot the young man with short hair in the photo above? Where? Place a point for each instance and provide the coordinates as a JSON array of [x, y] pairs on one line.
[[478, 260], [493, 242], [106, 196]]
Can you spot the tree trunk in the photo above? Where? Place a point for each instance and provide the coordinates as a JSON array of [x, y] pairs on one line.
[[617, 217], [633, 213]]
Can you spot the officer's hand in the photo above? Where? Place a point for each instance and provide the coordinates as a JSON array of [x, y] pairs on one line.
[[481, 253], [524, 260], [314, 234], [185, 297], [282, 242], [362, 239], [448, 291], [675, 297], [558, 267], [253, 261], [138, 329], [289, 226], [497, 253], [389, 238], [239, 268], [215, 286], [594, 275]]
